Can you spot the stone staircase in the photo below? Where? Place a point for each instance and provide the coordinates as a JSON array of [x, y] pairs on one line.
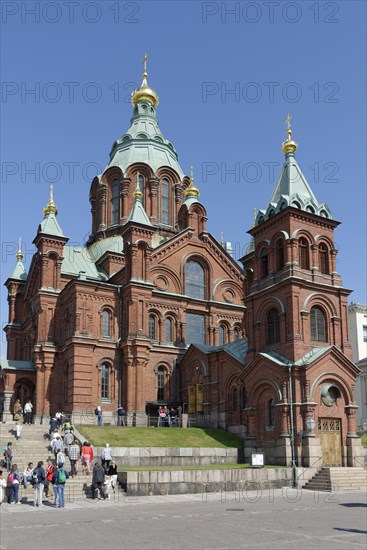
[[34, 446], [338, 479]]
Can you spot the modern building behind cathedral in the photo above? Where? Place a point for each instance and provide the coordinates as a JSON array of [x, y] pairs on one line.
[[155, 310]]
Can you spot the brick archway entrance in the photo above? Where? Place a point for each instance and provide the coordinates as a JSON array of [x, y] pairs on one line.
[[24, 389]]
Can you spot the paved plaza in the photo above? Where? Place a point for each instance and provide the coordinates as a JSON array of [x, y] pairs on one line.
[[265, 519]]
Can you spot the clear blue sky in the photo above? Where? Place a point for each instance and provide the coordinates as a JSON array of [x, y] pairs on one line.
[[227, 74]]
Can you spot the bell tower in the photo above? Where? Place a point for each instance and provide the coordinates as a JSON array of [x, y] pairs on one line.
[[294, 296]]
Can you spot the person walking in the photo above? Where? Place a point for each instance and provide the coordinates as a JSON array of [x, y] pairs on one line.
[[38, 480], [98, 480], [27, 474], [59, 478], [68, 440], [99, 414], [28, 408], [18, 417], [57, 446], [87, 456], [50, 470], [121, 413], [106, 457], [8, 455], [3, 484], [14, 481], [112, 472], [74, 456]]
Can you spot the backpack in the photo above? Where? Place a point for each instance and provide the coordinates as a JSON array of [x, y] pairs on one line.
[[121, 411], [35, 477], [61, 477], [11, 477], [96, 412]]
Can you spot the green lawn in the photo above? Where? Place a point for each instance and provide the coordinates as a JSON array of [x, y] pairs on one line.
[[158, 437], [364, 440]]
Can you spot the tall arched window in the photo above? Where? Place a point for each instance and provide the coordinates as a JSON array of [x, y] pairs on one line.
[[279, 254], [115, 202], [141, 186], [160, 384], [236, 334], [323, 258], [221, 335], [105, 382], [234, 400], [168, 323], [195, 280], [151, 327], [271, 413], [264, 263], [318, 324], [273, 333], [165, 201], [304, 255], [106, 324], [244, 398]]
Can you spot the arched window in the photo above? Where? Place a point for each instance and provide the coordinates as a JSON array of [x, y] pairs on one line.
[[236, 334], [323, 258], [168, 322], [160, 384], [271, 413], [106, 324], [165, 201], [280, 255], [234, 400], [318, 324], [105, 382], [264, 263], [273, 333], [151, 327], [221, 335], [115, 202], [244, 398], [194, 280], [141, 186], [304, 255]]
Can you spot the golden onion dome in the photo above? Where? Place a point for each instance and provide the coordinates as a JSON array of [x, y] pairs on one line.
[[289, 146], [51, 207], [19, 254], [191, 190], [144, 92]]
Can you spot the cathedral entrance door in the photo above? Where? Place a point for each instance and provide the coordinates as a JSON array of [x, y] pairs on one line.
[[330, 439]]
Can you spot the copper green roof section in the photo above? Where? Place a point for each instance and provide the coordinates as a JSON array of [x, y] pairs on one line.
[[50, 226], [79, 262], [19, 272], [292, 189]]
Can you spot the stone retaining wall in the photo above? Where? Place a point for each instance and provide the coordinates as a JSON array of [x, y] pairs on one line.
[[210, 481], [183, 456]]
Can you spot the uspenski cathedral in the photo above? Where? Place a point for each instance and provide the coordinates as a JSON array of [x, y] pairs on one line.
[[153, 309]]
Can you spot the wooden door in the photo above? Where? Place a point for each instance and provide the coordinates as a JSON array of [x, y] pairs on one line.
[[330, 439]]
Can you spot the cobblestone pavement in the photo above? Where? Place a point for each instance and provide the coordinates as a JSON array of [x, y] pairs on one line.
[[257, 520]]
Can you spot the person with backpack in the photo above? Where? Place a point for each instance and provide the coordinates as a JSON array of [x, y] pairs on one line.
[[14, 480], [59, 479], [68, 440], [98, 480], [38, 482], [57, 446]]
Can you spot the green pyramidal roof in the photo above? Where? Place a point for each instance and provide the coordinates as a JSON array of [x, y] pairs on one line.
[[50, 225], [138, 214], [292, 189], [19, 271], [144, 142]]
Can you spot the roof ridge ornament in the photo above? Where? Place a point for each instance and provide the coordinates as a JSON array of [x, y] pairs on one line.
[[51, 207], [19, 254], [191, 190], [289, 146], [138, 195], [144, 92]]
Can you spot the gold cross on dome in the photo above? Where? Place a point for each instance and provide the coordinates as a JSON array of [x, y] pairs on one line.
[[145, 62], [288, 121], [191, 172]]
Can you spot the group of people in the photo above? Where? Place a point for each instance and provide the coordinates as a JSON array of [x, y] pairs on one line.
[[168, 417], [121, 415]]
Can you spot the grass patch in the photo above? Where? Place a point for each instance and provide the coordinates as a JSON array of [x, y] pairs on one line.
[[364, 441], [158, 437]]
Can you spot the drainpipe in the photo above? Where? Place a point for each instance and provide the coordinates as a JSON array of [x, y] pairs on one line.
[[293, 452], [120, 351]]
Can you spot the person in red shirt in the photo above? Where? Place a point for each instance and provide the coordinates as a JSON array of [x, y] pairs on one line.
[[87, 457], [51, 468]]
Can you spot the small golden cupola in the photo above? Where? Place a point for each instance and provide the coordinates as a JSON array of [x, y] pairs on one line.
[[191, 190], [51, 207], [144, 92], [289, 146]]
